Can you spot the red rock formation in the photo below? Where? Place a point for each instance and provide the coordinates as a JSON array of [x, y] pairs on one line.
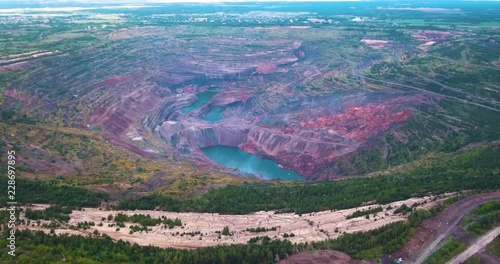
[[117, 117], [305, 141], [266, 68], [189, 88], [225, 98], [359, 122]]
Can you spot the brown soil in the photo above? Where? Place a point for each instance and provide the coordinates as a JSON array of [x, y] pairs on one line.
[[320, 257], [487, 258]]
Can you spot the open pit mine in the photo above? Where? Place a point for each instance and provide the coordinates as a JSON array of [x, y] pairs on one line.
[[305, 134], [269, 97], [250, 108], [254, 105]]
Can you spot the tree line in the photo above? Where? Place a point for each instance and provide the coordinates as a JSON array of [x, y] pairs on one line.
[[37, 191], [146, 220], [57, 212], [39, 247], [472, 170]]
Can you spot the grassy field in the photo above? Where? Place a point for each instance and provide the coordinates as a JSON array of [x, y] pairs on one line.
[[494, 247], [451, 248], [473, 260]]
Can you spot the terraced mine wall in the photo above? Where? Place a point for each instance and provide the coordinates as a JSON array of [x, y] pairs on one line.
[[306, 136]]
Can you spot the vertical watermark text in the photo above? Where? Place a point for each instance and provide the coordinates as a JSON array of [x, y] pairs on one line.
[[11, 204]]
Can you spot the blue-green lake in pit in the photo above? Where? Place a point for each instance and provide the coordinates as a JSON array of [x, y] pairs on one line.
[[203, 98], [235, 158], [214, 115]]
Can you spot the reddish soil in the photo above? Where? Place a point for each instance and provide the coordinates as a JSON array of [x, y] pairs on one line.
[[359, 122], [320, 257], [437, 226], [308, 140], [266, 68], [97, 112], [114, 139], [231, 96], [302, 54], [14, 94], [116, 80], [17, 66], [434, 35], [118, 117], [188, 88], [376, 43]]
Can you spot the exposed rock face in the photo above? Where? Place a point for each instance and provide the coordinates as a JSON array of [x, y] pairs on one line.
[[304, 133], [301, 137], [302, 151], [261, 101], [117, 117], [128, 107], [168, 108], [276, 96], [313, 139]]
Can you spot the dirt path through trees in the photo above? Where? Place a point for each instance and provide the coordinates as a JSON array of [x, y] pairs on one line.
[[433, 230]]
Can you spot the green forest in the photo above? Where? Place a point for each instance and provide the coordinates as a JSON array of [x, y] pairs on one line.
[[365, 212], [57, 212], [147, 220], [472, 170], [476, 169], [450, 249], [37, 191], [483, 218]]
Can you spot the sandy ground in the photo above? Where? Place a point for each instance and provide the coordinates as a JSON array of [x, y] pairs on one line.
[[426, 45], [31, 55], [375, 43], [308, 227]]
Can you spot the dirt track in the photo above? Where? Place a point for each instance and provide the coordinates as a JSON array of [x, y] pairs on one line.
[[487, 258], [481, 243], [433, 230]]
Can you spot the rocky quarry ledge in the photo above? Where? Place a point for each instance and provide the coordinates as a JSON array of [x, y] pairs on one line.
[[305, 137], [263, 110]]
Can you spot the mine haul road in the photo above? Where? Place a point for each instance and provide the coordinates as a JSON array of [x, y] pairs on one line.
[[448, 221], [479, 244]]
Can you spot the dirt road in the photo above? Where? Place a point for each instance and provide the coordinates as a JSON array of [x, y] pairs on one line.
[[487, 258], [433, 230], [476, 246]]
